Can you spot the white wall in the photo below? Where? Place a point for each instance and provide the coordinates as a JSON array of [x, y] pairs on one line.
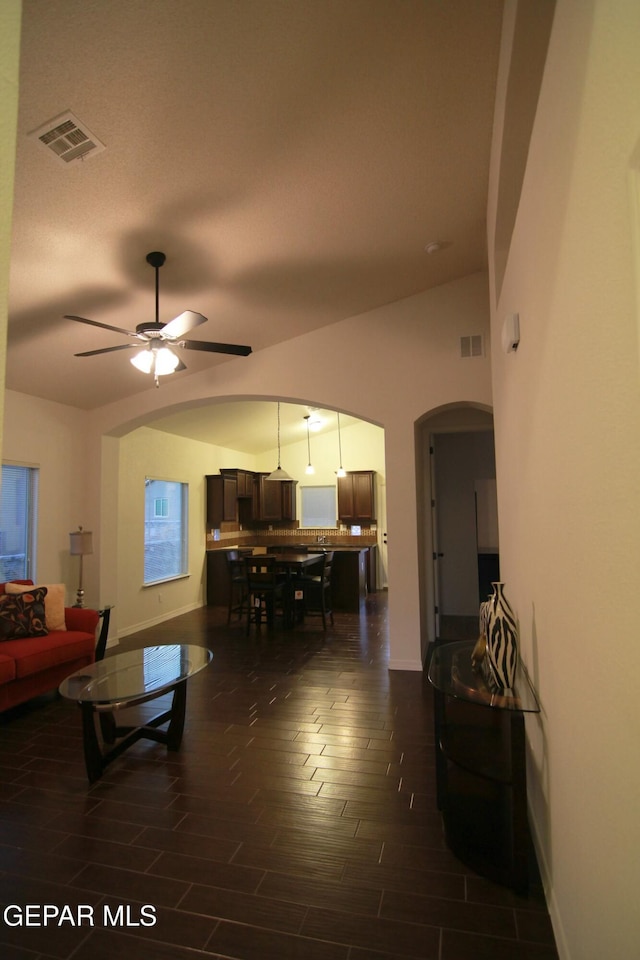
[[567, 427], [52, 437]]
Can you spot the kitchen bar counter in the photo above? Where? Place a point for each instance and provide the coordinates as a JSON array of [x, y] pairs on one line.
[[353, 576]]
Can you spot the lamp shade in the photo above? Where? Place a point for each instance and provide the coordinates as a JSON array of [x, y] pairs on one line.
[[81, 542], [143, 361], [279, 474], [165, 360]]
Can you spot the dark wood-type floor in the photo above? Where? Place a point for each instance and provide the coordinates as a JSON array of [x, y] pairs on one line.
[[298, 821]]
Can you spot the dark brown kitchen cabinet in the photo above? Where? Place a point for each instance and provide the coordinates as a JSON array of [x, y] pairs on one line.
[[222, 499], [356, 497], [244, 481], [273, 500]]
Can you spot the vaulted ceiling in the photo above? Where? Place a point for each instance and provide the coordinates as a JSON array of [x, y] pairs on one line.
[[292, 158]]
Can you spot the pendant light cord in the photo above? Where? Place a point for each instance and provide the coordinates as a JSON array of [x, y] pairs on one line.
[[278, 434]]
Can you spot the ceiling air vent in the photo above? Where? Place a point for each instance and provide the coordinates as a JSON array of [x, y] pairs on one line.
[[471, 346], [67, 138]]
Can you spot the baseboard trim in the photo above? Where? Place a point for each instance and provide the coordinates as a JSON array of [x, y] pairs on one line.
[[145, 624], [549, 893], [405, 665]]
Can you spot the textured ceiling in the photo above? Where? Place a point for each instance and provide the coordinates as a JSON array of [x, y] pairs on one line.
[[291, 157]]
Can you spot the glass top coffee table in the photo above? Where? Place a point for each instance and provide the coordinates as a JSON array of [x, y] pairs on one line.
[[128, 680]]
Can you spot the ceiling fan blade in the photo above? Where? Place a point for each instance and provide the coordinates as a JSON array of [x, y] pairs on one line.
[[183, 323], [94, 353], [207, 346], [105, 326]]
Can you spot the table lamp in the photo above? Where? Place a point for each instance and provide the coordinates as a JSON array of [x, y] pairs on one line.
[[81, 544]]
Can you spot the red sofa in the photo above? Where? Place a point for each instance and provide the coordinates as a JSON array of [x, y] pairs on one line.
[[36, 665]]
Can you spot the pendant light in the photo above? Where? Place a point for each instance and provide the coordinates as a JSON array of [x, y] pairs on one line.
[[279, 473], [310, 468], [340, 472]]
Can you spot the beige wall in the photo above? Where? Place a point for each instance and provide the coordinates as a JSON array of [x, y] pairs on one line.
[[567, 427], [149, 453], [362, 449], [52, 437], [10, 15]]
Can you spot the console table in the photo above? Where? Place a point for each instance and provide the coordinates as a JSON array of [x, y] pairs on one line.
[[480, 765]]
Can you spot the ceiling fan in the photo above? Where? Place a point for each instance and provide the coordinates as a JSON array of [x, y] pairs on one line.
[[157, 357]]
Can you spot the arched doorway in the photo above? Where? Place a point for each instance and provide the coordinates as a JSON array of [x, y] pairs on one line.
[[188, 442], [457, 518]]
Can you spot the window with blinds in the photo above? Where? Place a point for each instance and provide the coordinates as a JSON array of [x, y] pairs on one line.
[[165, 530], [318, 506], [18, 522]]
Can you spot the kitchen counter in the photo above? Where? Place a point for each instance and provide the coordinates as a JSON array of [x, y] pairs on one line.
[[353, 576]]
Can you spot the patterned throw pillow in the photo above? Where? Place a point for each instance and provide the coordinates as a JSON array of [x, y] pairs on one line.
[[22, 615], [53, 602]]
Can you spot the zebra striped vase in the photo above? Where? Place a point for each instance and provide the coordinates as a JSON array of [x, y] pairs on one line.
[[502, 639]]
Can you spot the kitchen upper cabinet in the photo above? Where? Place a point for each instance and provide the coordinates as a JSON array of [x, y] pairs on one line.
[[222, 499], [244, 481], [356, 497], [273, 500]]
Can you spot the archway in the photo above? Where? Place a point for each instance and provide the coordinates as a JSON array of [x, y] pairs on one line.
[[450, 572], [133, 451]]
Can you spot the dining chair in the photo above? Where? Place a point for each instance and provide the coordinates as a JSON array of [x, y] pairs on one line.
[[238, 596], [265, 590], [317, 591]]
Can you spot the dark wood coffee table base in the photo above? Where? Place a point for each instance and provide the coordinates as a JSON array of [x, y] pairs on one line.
[[116, 739]]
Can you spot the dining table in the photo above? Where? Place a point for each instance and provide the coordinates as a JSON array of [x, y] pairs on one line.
[[293, 565]]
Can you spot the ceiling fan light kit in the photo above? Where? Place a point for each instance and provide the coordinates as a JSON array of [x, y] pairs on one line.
[[157, 360], [157, 357]]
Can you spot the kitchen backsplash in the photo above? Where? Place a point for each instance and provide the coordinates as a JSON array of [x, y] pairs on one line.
[[337, 536]]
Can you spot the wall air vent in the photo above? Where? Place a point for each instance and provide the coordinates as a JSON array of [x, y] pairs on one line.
[[67, 138], [471, 346]]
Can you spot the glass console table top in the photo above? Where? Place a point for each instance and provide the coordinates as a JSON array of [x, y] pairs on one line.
[[135, 676], [451, 673]]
